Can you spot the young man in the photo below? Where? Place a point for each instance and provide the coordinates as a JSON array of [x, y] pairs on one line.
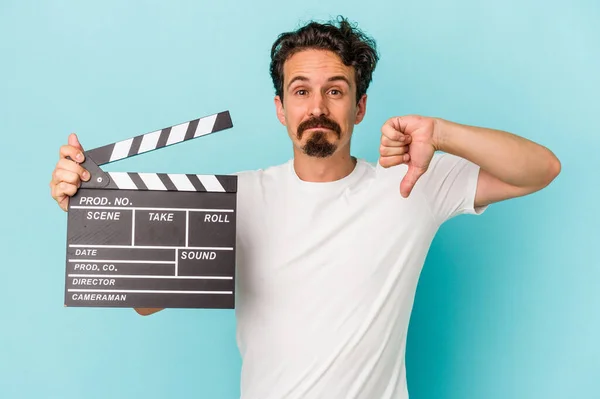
[[330, 247]]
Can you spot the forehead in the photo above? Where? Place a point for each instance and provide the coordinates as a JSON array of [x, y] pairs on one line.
[[316, 65]]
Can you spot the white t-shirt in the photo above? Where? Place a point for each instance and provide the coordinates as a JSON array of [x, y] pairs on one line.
[[327, 273]]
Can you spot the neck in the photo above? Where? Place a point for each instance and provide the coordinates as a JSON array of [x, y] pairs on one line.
[[332, 168]]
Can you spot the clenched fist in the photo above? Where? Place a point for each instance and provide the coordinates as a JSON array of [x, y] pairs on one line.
[[410, 140], [68, 174]]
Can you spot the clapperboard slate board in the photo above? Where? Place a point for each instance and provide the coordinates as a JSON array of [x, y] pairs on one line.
[[152, 239]]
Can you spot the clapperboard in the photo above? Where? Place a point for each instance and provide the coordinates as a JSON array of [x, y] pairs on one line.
[[152, 239]]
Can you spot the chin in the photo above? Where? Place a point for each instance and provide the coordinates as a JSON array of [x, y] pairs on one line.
[[318, 146]]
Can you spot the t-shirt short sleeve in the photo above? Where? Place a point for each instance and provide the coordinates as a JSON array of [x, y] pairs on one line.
[[450, 184]]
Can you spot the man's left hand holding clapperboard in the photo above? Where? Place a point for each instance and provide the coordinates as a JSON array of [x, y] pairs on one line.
[[147, 240]]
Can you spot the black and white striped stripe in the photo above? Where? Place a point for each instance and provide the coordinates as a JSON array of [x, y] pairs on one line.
[[160, 138], [172, 182]]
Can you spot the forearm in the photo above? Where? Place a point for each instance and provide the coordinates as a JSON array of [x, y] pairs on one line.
[[510, 158]]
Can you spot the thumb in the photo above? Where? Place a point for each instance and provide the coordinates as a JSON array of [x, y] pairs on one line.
[[410, 179], [74, 141]]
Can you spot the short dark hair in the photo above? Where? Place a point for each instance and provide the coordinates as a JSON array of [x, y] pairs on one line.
[[353, 46]]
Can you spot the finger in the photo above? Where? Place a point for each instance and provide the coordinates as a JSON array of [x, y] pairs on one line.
[[394, 160], [72, 152], [63, 175], [73, 167], [65, 189], [390, 151], [410, 179], [399, 123], [391, 133], [74, 142], [386, 141], [58, 193]]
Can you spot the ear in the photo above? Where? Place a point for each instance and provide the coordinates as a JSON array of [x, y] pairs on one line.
[[279, 110], [361, 109]]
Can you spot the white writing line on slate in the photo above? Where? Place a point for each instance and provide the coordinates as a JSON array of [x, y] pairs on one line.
[[136, 208], [154, 291], [152, 276], [150, 247], [160, 262]]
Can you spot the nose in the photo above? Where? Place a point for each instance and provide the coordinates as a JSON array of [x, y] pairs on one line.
[[318, 105]]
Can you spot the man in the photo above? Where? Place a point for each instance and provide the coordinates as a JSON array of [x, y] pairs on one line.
[[329, 250]]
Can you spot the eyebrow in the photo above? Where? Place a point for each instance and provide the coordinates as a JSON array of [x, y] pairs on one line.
[[339, 77], [331, 79], [296, 78]]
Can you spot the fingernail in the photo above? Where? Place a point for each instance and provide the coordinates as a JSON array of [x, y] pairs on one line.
[[79, 157], [85, 175]]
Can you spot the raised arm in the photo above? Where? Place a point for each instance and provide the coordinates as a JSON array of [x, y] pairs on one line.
[[510, 166], [66, 180]]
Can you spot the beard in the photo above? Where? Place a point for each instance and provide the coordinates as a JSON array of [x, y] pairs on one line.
[[317, 145]]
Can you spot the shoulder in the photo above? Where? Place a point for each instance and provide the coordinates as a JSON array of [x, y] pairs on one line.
[[263, 172], [444, 170], [259, 177], [444, 160], [440, 163]]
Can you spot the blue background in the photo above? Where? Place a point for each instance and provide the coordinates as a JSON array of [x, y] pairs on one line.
[[508, 303]]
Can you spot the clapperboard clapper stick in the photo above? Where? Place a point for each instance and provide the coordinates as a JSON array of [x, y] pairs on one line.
[[152, 239]]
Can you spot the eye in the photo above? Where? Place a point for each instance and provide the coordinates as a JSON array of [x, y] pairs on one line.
[[335, 92], [301, 92]]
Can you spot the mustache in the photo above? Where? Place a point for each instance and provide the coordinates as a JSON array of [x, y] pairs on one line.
[[320, 121]]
